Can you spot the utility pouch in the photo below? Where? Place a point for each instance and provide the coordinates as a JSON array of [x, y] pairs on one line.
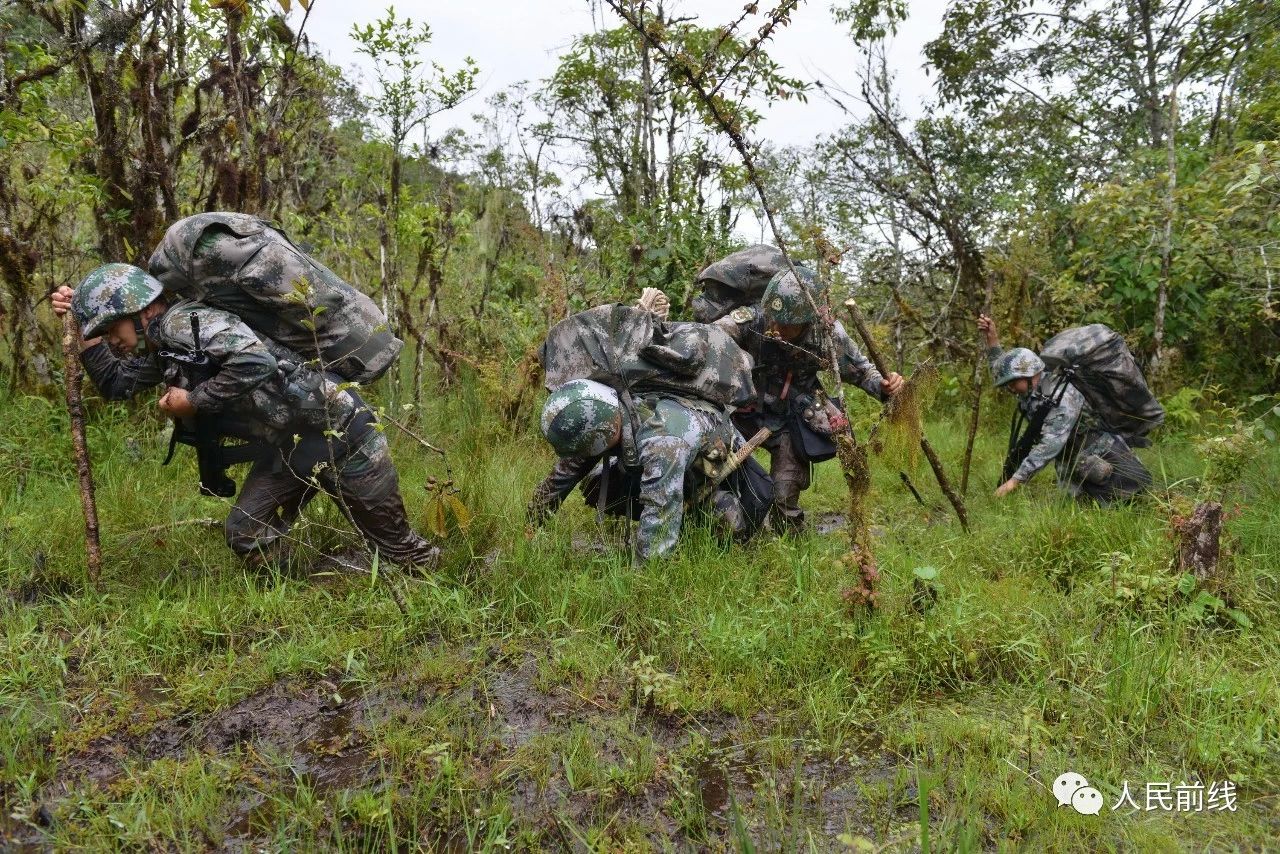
[[303, 387], [813, 422]]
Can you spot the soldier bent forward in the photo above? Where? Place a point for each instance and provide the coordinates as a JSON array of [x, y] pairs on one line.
[[310, 429]]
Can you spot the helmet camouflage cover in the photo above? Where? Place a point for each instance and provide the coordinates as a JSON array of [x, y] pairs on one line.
[[784, 301], [111, 292], [581, 418], [1018, 363]]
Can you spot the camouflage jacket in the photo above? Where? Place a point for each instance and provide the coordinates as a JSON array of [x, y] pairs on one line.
[[786, 368], [1069, 417], [673, 432], [261, 391]]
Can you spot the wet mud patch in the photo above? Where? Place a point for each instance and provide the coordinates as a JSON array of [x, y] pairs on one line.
[[563, 759], [315, 728], [829, 523], [822, 796]]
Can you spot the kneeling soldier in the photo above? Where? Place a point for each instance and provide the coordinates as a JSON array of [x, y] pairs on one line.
[[582, 420], [1093, 460], [303, 429]]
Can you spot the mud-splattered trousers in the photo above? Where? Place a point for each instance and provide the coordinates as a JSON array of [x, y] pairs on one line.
[[672, 434], [315, 434], [785, 373]]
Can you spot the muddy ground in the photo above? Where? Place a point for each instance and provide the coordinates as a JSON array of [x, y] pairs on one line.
[[709, 781]]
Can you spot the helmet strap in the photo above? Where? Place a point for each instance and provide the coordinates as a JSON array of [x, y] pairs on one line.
[[141, 333]]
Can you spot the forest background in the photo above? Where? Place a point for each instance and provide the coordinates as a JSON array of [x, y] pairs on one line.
[[1112, 161]]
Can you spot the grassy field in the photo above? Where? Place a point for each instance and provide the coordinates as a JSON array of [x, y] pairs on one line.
[[541, 693]]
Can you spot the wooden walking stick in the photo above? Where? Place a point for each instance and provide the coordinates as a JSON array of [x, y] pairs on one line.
[[860, 323], [75, 409]]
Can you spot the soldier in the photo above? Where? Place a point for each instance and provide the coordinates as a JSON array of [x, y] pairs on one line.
[[1063, 428], [583, 422], [784, 339], [310, 429]]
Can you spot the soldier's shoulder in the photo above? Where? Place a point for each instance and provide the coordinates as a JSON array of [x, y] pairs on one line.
[[743, 314], [177, 323]]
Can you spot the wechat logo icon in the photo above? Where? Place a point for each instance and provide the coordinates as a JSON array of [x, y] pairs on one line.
[[1071, 789]]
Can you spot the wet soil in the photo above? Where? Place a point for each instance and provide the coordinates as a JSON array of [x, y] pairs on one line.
[[322, 734]]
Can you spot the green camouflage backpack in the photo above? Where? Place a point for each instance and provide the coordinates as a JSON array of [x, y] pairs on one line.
[[1096, 361], [249, 267], [624, 346], [736, 280]]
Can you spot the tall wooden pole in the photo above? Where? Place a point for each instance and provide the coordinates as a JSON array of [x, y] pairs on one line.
[[75, 408]]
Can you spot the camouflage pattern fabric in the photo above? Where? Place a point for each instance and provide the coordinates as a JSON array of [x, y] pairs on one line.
[[785, 301], [581, 418], [1015, 363], [1072, 439], [737, 279], [245, 265], [785, 375], [1059, 425], [325, 435], [623, 344], [782, 366], [368, 489], [672, 434], [1109, 377], [262, 391], [109, 293]]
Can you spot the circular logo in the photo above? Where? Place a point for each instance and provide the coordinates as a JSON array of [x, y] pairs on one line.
[[776, 305]]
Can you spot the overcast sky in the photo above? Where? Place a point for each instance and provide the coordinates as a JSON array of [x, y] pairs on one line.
[[514, 40]]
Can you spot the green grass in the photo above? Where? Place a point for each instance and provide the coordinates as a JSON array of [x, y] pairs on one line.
[[541, 693]]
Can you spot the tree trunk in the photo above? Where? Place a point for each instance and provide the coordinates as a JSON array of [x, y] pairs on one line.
[[1166, 236], [1200, 540]]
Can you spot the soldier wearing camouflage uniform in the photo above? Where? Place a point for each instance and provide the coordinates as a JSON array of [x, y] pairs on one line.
[[582, 420], [1091, 462], [784, 339], [311, 430]]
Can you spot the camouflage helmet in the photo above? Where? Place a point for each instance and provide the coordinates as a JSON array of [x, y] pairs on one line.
[[111, 292], [581, 418], [784, 301], [1018, 363]]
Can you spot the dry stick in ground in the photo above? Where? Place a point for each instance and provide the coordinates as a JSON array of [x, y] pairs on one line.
[[930, 454], [1200, 540], [75, 409]]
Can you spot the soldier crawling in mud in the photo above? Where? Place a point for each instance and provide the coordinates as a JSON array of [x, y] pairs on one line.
[[1094, 459], [673, 433], [307, 429], [784, 339]]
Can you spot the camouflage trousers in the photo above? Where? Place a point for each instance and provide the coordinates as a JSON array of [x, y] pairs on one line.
[[365, 486], [1104, 469], [791, 476]]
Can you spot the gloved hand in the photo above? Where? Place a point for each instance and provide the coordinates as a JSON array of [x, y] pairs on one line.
[[654, 300]]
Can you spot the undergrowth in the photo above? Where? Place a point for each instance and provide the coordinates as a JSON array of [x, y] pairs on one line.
[[541, 693]]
